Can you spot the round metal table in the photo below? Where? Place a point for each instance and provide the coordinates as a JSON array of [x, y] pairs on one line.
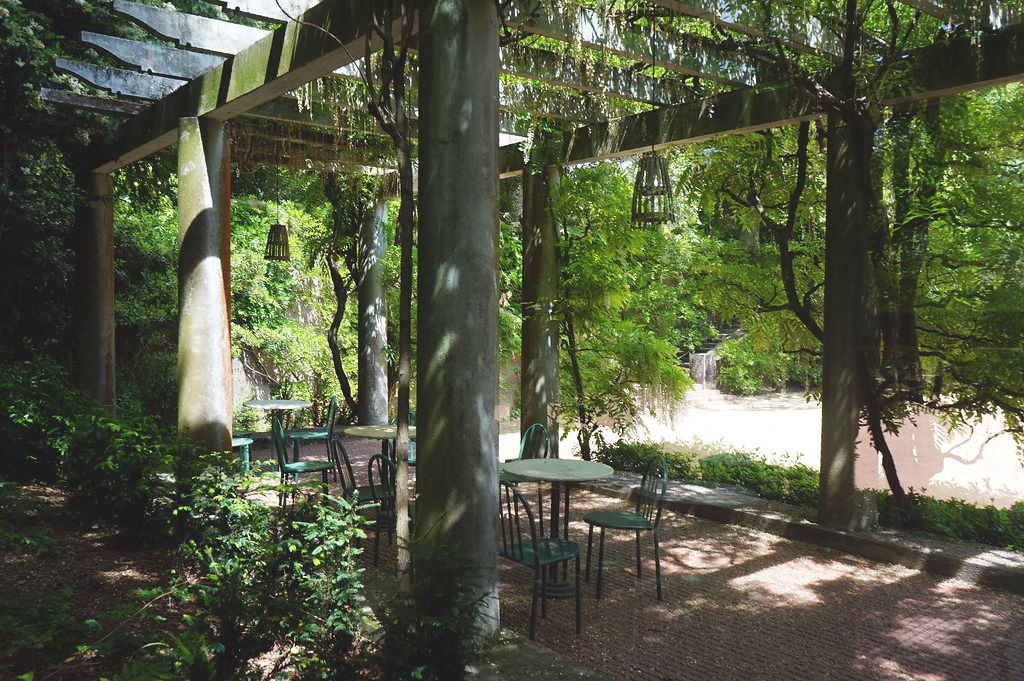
[[558, 472], [382, 432]]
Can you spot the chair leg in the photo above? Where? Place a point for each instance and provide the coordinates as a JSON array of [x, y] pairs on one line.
[[540, 507], [657, 563], [543, 593], [579, 598], [590, 546], [533, 609], [638, 554], [600, 563]]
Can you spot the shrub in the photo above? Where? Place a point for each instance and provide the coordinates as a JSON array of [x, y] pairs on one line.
[[796, 484], [433, 634], [114, 469], [746, 370], [956, 519], [633, 457], [267, 576]]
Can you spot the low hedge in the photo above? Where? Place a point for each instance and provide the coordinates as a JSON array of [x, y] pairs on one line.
[[798, 484]]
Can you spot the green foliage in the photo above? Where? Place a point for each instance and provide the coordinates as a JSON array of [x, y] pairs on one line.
[[796, 484], [634, 456], [432, 634], [36, 631], [956, 519], [114, 470], [747, 370], [266, 577], [623, 307]]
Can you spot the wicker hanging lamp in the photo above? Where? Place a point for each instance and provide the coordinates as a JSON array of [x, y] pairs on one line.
[[277, 244], [652, 193]]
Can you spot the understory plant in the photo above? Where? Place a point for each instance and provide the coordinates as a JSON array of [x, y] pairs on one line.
[[268, 582], [431, 633], [116, 470], [798, 484]]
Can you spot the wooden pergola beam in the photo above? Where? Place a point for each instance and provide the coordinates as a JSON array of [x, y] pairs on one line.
[[288, 58], [939, 70]]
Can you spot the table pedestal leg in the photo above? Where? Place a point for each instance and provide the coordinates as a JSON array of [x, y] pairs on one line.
[[559, 587]]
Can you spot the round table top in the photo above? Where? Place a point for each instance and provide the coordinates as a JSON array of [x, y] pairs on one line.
[[382, 431], [272, 405], [241, 441], [557, 470]]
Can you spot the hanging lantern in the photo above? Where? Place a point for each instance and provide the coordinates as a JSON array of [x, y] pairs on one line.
[[277, 244], [652, 194]]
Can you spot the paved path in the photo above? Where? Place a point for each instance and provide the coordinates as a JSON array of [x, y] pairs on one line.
[[742, 604]]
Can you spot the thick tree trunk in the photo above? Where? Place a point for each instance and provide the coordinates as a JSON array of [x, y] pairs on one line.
[[847, 189], [204, 267], [539, 373], [372, 330], [457, 445], [94, 348]]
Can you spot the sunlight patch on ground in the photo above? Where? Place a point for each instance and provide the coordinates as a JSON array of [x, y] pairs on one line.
[[796, 582]]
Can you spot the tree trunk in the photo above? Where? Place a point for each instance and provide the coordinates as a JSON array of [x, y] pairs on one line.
[[586, 428]]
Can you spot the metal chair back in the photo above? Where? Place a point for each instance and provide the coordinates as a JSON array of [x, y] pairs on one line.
[[652, 490], [343, 463], [280, 446], [382, 474], [332, 414], [518, 526], [534, 444]]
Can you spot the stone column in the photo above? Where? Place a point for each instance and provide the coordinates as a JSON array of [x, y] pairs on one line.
[[847, 166], [94, 346], [204, 264], [373, 321], [457, 344], [539, 372]]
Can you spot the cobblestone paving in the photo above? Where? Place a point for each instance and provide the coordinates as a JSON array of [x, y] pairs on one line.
[[745, 605], [741, 604]]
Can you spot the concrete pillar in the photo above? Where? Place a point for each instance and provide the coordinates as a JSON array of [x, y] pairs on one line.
[[373, 321], [846, 200], [204, 264], [94, 346], [457, 345], [539, 372]]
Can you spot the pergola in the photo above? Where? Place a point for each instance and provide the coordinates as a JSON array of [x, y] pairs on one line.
[[221, 71]]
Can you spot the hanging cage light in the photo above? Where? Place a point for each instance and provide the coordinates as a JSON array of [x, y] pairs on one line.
[[277, 244], [652, 193]]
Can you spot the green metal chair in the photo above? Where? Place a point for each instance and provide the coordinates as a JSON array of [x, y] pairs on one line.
[[382, 473], [534, 445], [520, 543], [645, 518], [325, 432], [295, 468], [412, 443], [350, 488]]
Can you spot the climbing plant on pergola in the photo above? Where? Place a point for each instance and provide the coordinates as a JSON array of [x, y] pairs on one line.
[[619, 77]]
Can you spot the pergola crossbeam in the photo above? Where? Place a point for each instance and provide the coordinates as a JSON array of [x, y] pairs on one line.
[[939, 70], [188, 30], [151, 58], [121, 81], [607, 34], [800, 31]]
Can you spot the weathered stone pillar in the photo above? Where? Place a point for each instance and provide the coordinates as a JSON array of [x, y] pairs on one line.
[[457, 345], [539, 372], [373, 321], [204, 264], [846, 200], [94, 346]]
